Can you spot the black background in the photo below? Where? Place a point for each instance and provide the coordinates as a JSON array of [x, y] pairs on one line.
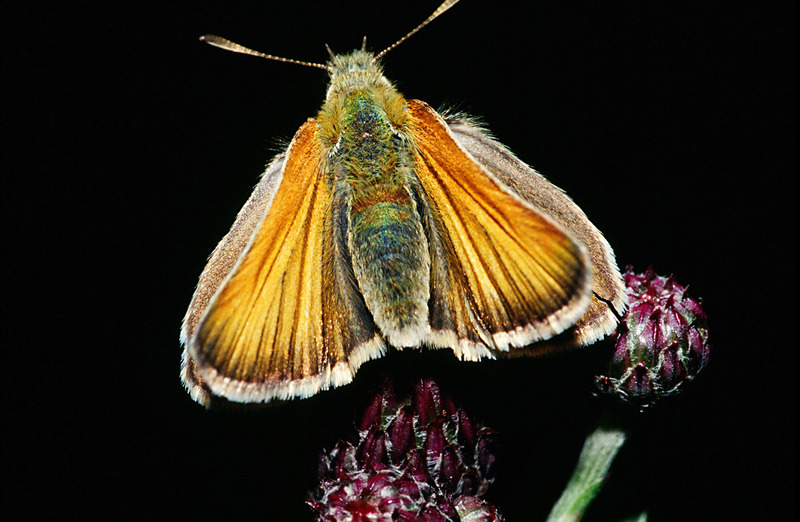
[[130, 146]]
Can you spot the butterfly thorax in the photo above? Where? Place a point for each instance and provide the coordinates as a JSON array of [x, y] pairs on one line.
[[371, 162], [358, 74]]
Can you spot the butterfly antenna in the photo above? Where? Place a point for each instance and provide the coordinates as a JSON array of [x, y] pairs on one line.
[[223, 43], [447, 4], [330, 51]]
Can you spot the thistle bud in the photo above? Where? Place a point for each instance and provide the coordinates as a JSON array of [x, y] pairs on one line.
[[418, 459], [661, 342]]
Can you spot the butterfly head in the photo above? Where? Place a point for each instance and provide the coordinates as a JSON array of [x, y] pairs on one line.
[[358, 70]]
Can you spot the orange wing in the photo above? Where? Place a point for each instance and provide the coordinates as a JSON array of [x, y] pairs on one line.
[[609, 299], [503, 274], [287, 321]]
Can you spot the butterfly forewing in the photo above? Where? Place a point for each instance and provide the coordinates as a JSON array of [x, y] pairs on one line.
[[608, 289], [273, 328]]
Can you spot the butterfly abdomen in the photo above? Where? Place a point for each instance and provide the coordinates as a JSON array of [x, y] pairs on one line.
[[385, 237]]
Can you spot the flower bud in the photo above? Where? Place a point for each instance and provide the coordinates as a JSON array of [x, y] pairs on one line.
[[418, 459], [661, 342]]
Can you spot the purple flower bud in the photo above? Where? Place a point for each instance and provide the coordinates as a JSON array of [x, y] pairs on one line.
[[661, 342], [414, 460]]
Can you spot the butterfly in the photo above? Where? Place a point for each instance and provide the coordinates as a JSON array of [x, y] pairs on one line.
[[386, 224]]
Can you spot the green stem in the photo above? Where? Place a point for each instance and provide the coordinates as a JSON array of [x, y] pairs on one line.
[[598, 453]]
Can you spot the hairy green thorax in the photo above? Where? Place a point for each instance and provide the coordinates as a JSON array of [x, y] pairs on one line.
[[371, 151], [351, 73], [370, 155]]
